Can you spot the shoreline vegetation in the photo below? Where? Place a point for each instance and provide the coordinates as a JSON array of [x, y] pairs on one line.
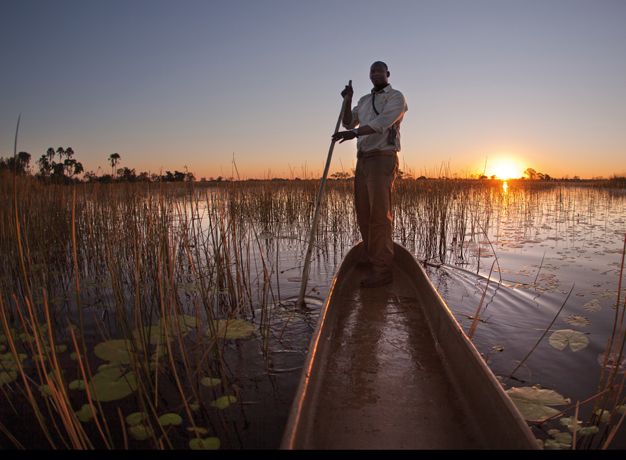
[[61, 166], [150, 294]]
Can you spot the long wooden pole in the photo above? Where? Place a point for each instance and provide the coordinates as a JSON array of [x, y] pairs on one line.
[[316, 215]]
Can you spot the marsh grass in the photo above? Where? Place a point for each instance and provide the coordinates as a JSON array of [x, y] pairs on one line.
[[159, 267]]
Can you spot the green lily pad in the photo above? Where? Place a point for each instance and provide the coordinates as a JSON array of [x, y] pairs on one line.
[[7, 376], [233, 329], [73, 356], [211, 443], [593, 305], [604, 415], [587, 430], [85, 413], [223, 402], [621, 409], [115, 351], [112, 371], [140, 432], [194, 406], [534, 402], [45, 390], [560, 440], [562, 338], [136, 418], [577, 320], [210, 381], [170, 419], [77, 385], [25, 337], [7, 361], [105, 388], [570, 423], [154, 334]]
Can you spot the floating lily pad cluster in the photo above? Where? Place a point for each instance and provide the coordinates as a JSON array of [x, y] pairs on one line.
[[9, 367], [140, 429], [113, 380]]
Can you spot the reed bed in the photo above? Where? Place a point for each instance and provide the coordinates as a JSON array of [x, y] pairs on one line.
[[146, 290]]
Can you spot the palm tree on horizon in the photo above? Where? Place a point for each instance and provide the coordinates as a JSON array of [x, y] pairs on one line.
[[114, 159]]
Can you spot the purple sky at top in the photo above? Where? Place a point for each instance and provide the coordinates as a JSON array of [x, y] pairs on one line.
[[172, 84]]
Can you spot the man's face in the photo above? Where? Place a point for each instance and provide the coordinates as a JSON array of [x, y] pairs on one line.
[[378, 75]]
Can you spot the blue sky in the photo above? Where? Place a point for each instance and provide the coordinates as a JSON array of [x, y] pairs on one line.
[[172, 84]]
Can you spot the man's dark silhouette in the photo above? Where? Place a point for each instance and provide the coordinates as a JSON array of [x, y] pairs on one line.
[[378, 116]]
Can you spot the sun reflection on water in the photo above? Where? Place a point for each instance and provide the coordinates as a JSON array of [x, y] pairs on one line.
[[505, 186]]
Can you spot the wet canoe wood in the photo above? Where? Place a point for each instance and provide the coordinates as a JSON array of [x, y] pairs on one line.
[[390, 367]]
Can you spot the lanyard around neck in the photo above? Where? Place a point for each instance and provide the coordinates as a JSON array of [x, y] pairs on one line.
[[374, 105]]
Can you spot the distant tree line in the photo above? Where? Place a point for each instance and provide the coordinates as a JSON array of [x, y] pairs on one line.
[[60, 166]]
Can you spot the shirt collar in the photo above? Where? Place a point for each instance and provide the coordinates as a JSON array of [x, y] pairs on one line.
[[386, 89]]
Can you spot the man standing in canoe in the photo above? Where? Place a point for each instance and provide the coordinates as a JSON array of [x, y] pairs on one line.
[[378, 116]]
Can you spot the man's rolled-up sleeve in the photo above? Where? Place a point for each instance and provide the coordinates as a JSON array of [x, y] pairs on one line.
[[355, 119], [393, 111]]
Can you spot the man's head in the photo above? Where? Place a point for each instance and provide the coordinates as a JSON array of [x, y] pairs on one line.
[[379, 74]]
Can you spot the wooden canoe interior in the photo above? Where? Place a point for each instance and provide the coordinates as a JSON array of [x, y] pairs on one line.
[[390, 368]]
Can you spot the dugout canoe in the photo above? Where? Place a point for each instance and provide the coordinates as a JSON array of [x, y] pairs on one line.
[[391, 368]]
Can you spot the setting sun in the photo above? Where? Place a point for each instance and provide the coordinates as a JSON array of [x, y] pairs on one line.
[[505, 168]]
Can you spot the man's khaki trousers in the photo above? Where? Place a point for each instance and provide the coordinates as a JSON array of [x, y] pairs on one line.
[[373, 184]]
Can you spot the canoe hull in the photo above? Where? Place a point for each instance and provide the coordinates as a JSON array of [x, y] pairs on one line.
[[391, 367]]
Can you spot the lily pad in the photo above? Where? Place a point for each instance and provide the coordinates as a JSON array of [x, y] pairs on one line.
[[592, 305], [194, 406], [562, 338], [45, 390], [210, 381], [233, 329], [170, 419], [7, 361], [570, 424], [211, 443], [577, 320], [604, 415], [223, 402], [140, 432], [85, 413], [105, 388], [588, 430], [7, 377], [136, 418], [77, 385], [534, 402], [112, 371], [115, 351], [560, 440]]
